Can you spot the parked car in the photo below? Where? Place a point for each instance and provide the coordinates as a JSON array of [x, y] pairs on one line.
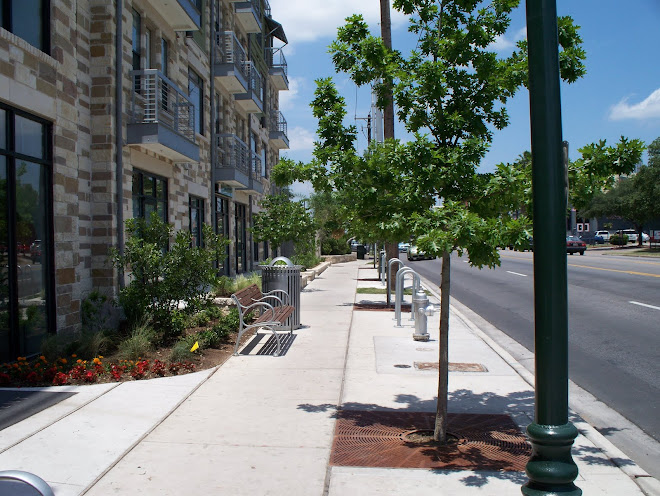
[[598, 239], [415, 254], [645, 238], [631, 233], [575, 245], [35, 251], [603, 234], [403, 247]]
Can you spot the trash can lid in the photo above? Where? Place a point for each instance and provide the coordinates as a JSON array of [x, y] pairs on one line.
[[288, 262]]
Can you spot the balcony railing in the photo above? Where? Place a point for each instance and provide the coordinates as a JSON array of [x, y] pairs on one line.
[[278, 130], [252, 101], [277, 68], [229, 50], [161, 117], [233, 153], [156, 99]]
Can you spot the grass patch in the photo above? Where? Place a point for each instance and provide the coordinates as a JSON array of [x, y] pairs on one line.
[[640, 252], [382, 291]]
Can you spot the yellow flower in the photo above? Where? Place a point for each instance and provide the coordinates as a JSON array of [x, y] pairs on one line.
[[79, 361], [100, 356], [96, 361]]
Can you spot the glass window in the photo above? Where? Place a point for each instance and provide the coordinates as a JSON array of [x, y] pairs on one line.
[[135, 39], [27, 19], [240, 236], [29, 137], [26, 278], [222, 227], [147, 43], [164, 55], [149, 195], [196, 220], [196, 94]]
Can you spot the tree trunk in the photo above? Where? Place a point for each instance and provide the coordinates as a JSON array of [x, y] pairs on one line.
[[440, 432]]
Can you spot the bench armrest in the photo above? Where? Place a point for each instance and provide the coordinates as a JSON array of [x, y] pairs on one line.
[[246, 310], [284, 300]]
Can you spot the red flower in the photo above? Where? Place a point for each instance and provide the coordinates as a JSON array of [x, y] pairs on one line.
[[60, 379], [90, 376]]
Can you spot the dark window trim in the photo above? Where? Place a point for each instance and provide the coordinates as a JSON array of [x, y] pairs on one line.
[[196, 203], [45, 22], [12, 157], [141, 196], [199, 105]]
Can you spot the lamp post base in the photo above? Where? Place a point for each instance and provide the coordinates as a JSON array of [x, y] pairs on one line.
[[551, 469]]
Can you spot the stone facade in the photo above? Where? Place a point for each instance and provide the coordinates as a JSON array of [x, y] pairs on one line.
[[74, 88]]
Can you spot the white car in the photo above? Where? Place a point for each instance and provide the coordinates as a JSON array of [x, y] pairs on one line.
[[645, 237], [604, 234], [631, 233]]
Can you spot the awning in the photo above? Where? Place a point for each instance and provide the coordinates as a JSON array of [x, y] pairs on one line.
[[275, 29]]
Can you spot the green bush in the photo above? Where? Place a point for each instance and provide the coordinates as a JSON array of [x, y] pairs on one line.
[[307, 260], [165, 271], [619, 239], [332, 246], [140, 342], [227, 324], [181, 349]]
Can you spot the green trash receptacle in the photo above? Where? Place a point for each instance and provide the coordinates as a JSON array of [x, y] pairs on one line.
[[361, 251]]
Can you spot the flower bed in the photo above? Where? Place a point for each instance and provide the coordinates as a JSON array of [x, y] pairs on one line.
[[41, 372]]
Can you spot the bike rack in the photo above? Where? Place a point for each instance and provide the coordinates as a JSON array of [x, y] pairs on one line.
[[417, 285], [389, 276]]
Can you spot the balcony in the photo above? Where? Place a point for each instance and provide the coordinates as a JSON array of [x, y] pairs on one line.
[[252, 100], [278, 132], [277, 68], [181, 15], [255, 180], [233, 161], [161, 118], [229, 63], [250, 15]]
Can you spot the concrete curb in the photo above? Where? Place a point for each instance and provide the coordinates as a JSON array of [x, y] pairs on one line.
[[648, 485]]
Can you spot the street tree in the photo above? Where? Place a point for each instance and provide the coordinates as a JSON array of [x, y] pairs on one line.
[[282, 220], [598, 168], [634, 199], [451, 92]]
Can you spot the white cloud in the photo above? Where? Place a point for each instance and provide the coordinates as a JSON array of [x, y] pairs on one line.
[[287, 98], [503, 43], [301, 139], [310, 20], [646, 109]]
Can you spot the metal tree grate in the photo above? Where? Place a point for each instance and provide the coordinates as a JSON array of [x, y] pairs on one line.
[[378, 439]]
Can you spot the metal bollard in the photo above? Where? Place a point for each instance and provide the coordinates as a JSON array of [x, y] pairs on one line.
[[383, 265], [389, 276], [422, 310]]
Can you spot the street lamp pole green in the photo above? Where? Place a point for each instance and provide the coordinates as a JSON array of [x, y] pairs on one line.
[[551, 469]]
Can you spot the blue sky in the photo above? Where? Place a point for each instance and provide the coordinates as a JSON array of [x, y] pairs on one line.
[[620, 95]]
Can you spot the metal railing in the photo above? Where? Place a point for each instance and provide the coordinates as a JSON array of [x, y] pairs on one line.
[[230, 51], [278, 122], [233, 153], [256, 166], [156, 99], [255, 80], [275, 59]]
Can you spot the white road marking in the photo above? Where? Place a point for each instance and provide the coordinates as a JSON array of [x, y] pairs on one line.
[[644, 305], [517, 274]]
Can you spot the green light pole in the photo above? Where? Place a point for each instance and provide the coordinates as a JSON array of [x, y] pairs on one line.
[[551, 469]]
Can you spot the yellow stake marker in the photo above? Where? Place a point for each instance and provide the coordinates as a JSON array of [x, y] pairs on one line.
[[195, 346]]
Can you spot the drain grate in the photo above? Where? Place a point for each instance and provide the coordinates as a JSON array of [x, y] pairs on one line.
[[378, 439], [453, 367]]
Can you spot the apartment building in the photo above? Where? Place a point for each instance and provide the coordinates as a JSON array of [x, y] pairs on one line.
[[113, 110]]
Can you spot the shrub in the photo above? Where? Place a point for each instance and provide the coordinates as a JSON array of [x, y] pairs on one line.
[[227, 324], [307, 260], [91, 344], [619, 239], [169, 278], [181, 349], [138, 344], [224, 286], [332, 246]]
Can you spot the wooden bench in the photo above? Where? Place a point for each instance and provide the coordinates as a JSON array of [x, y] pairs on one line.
[[271, 316]]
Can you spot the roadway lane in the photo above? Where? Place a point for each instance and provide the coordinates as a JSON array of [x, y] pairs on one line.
[[614, 345]]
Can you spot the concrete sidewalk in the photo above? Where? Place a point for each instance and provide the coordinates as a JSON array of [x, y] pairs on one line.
[[263, 425]]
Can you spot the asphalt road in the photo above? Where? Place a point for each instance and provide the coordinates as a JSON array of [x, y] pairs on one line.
[[614, 321]]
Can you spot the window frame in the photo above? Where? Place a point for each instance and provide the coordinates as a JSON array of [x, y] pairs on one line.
[[6, 23], [15, 341], [142, 198], [196, 204], [196, 80]]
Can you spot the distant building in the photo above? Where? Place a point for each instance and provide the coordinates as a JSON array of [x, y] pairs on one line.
[[192, 134]]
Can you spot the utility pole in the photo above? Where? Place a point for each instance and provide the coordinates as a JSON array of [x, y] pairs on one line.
[[551, 469], [386, 35]]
